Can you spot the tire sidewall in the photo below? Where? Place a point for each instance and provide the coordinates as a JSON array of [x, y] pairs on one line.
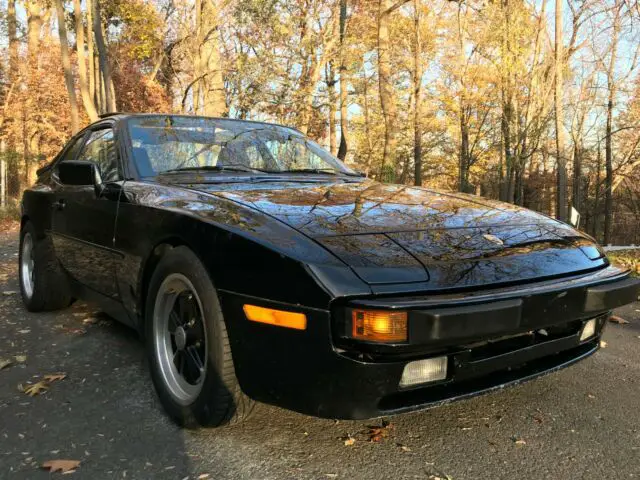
[[199, 412], [32, 302]]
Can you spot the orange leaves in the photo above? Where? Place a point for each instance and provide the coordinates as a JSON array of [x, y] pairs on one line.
[[64, 466]]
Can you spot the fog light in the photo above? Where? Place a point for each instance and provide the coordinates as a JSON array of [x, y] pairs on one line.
[[423, 371], [589, 330]]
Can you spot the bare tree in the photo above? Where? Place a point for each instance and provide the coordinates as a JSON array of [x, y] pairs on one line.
[[561, 194], [87, 100], [385, 83], [344, 127], [417, 95], [103, 60], [66, 65]]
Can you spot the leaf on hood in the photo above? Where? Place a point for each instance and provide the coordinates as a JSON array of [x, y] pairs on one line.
[[36, 388], [618, 320], [4, 363], [54, 377], [64, 466]]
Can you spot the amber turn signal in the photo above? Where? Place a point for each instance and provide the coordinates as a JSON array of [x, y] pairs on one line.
[[279, 318], [379, 326]]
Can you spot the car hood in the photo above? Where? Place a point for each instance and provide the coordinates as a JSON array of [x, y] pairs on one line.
[[398, 234]]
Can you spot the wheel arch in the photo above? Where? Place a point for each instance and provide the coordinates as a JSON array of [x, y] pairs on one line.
[[149, 265]]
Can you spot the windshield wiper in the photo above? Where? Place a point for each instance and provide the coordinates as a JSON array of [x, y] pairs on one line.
[[325, 171], [214, 168]]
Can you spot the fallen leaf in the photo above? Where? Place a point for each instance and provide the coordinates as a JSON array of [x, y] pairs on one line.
[[202, 476], [36, 389], [376, 434], [618, 320], [591, 396], [4, 363], [21, 358], [349, 441], [26, 330], [63, 466], [519, 441], [90, 321], [9, 292], [603, 344], [54, 377]]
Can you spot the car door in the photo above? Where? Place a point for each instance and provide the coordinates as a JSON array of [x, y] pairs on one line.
[[84, 216]]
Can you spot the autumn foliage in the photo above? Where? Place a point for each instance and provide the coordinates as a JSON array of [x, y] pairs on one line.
[[472, 96]]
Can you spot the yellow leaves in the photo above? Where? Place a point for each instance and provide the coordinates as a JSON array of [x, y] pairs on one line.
[[64, 466], [349, 441], [36, 388], [43, 385]]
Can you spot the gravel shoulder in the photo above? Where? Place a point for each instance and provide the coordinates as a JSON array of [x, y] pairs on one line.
[[582, 422]]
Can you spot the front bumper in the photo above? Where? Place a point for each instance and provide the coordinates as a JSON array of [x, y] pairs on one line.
[[534, 330]]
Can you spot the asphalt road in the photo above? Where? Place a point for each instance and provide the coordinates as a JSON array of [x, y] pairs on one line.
[[582, 422]]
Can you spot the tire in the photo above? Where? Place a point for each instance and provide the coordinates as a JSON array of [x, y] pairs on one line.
[[215, 398], [49, 287]]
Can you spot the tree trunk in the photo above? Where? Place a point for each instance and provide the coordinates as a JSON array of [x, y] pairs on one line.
[[608, 156], [561, 194], [212, 81], [608, 146], [91, 55], [387, 96], [87, 101], [506, 189], [197, 71], [3, 174], [331, 90], [367, 124], [103, 59], [463, 166], [66, 65], [35, 18], [12, 177], [344, 127], [596, 201], [576, 197], [417, 94]]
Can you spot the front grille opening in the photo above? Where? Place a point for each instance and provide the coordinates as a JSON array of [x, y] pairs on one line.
[[502, 345], [431, 396]]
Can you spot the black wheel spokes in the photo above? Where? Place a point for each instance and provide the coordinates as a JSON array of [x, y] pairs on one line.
[[190, 359], [195, 364]]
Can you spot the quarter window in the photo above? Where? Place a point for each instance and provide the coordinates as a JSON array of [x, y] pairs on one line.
[[72, 152], [101, 150]]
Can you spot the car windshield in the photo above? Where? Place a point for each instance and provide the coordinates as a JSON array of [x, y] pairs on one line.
[[166, 144]]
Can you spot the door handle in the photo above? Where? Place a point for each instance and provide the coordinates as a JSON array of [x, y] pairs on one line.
[[59, 205]]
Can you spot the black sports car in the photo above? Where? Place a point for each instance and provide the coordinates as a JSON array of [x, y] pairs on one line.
[[259, 267]]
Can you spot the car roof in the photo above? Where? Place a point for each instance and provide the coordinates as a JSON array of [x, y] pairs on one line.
[[124, 116]]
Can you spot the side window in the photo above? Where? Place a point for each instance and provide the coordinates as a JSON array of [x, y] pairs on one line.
[[72, 152], [101, 150]]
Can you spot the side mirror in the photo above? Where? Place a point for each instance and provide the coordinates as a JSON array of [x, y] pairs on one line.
[[77, 172]]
